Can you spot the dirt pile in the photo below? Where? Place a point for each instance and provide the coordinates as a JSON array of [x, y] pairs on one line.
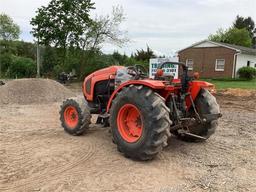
[[238, 92], [28, 91]]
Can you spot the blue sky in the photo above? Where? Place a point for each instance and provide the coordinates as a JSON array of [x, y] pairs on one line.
[[165, 25]]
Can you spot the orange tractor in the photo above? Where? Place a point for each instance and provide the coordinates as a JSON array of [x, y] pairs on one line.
[[143, 112]]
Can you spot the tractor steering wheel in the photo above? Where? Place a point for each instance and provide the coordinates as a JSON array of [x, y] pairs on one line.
[[138, 71]]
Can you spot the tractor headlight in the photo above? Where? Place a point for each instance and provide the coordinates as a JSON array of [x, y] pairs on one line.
[[211, 89]]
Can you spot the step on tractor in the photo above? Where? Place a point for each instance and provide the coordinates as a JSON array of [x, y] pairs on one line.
[[143, 112]]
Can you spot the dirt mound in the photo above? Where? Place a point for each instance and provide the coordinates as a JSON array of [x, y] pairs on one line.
[[27, 91], [238, 92]]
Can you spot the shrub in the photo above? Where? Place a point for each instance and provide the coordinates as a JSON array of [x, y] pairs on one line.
[[49, 60], [6, 60], [22, 67], [247, 72], [57, 69]]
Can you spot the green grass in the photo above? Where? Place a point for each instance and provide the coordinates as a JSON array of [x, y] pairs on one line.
[[224, 84]]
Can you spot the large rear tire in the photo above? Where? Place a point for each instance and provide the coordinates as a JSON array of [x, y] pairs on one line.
[[140, 122], [74, 116], [205, 104]]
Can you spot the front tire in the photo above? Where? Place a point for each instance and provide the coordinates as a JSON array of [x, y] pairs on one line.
[[140, 122], [74, 116]]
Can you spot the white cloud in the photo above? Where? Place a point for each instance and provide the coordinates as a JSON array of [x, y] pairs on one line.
[[165, 25]]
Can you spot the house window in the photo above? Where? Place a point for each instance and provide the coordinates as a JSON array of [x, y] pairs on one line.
[[220, 65], [248, 63], [190, 64]]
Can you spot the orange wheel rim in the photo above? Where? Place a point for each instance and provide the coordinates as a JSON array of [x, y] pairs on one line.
[[71, 117], [129, 122]]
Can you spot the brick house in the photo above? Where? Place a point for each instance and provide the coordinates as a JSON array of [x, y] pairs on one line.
[[217, 60]]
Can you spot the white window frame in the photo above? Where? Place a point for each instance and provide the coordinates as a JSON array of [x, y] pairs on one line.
[[190, 68], [216, 69]]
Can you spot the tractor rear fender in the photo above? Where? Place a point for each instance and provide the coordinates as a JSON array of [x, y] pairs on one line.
[[194, 89], [155, 85]]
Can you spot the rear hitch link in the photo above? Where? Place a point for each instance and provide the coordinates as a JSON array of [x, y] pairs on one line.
[[206, 118], [188, 121]]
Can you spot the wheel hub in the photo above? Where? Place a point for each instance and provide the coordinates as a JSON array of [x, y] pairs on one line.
[[129, 122], [71, 117]]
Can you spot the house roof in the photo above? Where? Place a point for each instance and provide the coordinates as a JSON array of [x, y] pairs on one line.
[[241, 49]]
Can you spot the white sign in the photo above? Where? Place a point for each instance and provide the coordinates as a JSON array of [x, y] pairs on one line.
[[169, 69]]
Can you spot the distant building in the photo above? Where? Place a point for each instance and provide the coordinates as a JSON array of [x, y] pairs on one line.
[[217, 60]]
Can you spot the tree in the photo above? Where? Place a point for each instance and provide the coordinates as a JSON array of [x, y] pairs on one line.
[[62, 22], [67, 25], [105, 29], [6, 59], [142, 55], [22, 67], [246, 23], [49, 60], [119, 59], [249, 24], [239, 37], [219, 36], [233, 36], [8, 29], [242, 33], [25, 49]]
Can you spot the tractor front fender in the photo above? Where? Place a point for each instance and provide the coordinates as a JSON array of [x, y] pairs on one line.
[[194, 89], [147, 83]]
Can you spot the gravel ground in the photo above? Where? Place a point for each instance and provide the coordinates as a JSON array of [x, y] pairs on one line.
[[36, 155]]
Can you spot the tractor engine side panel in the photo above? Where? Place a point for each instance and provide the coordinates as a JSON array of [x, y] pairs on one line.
[[100, 75]]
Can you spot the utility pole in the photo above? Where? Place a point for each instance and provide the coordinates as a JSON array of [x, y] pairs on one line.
[[0, 62], [254, 39], [0, 70], [0, 67], [38, 59]]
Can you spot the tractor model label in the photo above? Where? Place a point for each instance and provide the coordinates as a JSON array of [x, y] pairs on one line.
[[169, 69]]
